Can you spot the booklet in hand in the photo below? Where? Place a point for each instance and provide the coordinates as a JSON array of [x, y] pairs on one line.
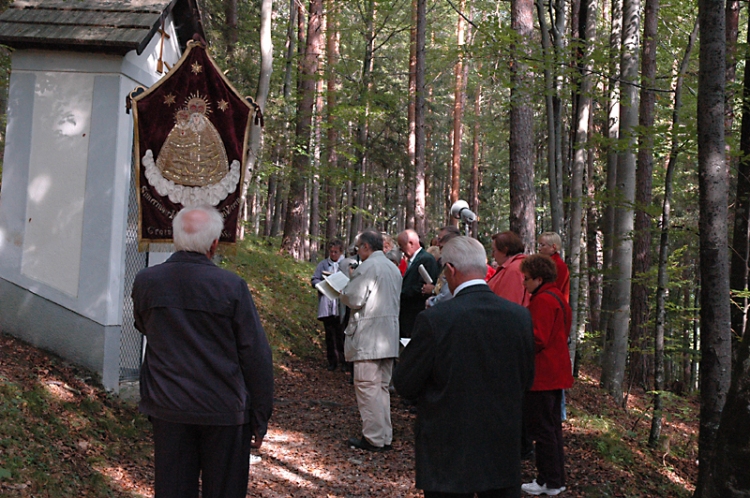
[[425, 276], [332, 285]]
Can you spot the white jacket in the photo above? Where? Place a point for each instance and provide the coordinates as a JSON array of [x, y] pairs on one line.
[[373, 294]]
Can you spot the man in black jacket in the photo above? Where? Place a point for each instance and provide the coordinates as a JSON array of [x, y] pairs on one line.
[[207, 377], [468, 364], [412, 298]]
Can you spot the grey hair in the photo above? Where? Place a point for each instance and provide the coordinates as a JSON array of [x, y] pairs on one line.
[[196, 233], [467, 255], [372, 238]]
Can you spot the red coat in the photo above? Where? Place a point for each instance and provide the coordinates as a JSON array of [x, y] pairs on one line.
[[563, 276], [507, 282], [551, 331]]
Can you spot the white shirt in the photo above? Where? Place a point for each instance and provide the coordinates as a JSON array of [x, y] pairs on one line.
[[468, 283], [414, 256]]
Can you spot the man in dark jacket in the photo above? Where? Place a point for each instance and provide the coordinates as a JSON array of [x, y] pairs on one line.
[[468, 364], [207, 377], [412, 298]]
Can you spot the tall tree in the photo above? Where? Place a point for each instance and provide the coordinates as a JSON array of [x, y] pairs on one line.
[[644, 172], [716, 350], [588, 20], [332, 138], [521, 164], [412, 119], [292, 241], [261, 97], [419, 122], [458, 108], [616, 341], [661, 281], [613, 131]]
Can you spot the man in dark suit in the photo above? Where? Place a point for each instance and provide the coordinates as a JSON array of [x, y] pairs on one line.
[[207, 378], [412, 298], [468, 364]]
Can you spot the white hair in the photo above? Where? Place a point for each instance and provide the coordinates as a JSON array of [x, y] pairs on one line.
[[467, 255], [195, 228]]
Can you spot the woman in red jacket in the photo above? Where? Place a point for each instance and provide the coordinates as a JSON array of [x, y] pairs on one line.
[[551, 317]]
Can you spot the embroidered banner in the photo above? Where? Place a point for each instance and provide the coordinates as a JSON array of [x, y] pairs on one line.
[[191, 133]]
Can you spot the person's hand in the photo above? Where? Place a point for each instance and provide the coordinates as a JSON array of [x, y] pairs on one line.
[[428, 288], [257, 441]]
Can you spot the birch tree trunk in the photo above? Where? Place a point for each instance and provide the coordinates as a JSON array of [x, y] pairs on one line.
[[616, 340], [409, 173], [716, 350]]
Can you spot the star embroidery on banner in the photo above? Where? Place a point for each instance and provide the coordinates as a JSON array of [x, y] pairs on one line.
[[169, 99], [223, 105], [197, 68]]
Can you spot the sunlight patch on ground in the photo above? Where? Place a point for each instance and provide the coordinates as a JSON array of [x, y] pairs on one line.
[[124, 480], [60, 391], [672, 476], [287, 448]]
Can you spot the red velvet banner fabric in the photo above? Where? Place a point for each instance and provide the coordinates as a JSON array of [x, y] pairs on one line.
[[191, 131]]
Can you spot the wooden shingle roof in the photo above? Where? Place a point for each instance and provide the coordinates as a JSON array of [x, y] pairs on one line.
[[113, 26]]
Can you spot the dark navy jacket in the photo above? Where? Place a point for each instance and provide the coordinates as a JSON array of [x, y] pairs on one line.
[[468, 364], [207, 361]]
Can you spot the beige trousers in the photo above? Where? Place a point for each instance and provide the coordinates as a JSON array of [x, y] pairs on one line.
[[371, 380]]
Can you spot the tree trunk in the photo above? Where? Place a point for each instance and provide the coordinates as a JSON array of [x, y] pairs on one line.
[[662, 279], [616, 340], [476, 159], [315, 194], [363, 128], [332, 55], [458, 110], [738, 277], [642, 237], [291, 42], [716, 351], [588, 21], [230, 31], [555, 201], [261, 97], [420, 195], [292, 242], [409, 172], [613, 130], [521, 163]]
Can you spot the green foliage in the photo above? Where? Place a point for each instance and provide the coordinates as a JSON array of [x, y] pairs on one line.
[[281, 289]]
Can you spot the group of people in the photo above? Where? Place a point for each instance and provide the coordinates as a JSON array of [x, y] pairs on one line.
[[487, 360], [485, 364]]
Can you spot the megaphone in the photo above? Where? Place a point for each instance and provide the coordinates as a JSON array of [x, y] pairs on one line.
[[460, 210]]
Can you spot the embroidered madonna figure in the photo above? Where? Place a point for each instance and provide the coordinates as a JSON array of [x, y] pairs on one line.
[[192, 167]]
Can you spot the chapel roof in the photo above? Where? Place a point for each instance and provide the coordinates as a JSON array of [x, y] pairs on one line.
[[111, 26]]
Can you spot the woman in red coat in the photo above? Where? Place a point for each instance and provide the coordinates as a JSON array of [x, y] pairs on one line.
[[507, 282], [551, 317]]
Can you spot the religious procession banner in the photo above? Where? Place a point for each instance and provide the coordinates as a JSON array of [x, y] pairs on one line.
[[190, 145]]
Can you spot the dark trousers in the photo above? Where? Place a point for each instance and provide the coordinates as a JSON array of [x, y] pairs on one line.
[[513, 492], [218, 454], [542, 412], [334, 340]]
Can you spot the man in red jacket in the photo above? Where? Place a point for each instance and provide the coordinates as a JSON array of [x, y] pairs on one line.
[[549, 244], [551, 317]]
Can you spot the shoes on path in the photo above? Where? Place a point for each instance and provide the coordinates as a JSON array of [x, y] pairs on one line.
[[364, 444], [535, 489], [254, 459]]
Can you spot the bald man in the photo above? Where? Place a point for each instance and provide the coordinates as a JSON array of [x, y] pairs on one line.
[[412, 296]]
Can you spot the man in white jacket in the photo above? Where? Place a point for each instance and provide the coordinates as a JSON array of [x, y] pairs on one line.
[[371, 343]]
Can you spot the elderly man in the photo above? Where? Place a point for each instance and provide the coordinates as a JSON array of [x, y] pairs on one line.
[[440, 289], [413, 298], [207, 377], [468, 364], [372, 339]]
